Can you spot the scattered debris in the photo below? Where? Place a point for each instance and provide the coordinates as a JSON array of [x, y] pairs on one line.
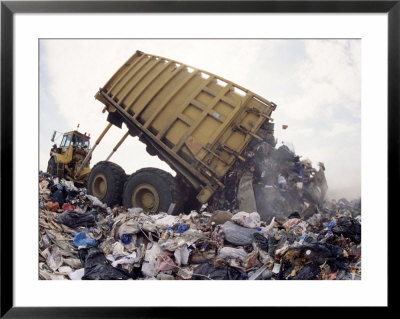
[[82, 239]]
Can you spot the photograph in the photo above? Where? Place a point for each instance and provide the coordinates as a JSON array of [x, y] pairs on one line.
[[199, 158], [164, 155]]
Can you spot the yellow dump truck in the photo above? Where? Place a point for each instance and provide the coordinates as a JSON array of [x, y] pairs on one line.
[[197, 122]]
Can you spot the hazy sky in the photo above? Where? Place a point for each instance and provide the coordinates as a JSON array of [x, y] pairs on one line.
[[315, 83]]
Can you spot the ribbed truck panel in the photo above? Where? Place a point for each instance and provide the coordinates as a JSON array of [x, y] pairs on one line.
[[199, 121]]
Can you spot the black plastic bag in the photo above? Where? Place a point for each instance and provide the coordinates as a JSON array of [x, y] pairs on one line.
[[308, 272], [320, 253], [73, 219], [58, 196], [55, 187], [97, 267], [261, 241], [348, 227], [71, 195], [207, 270], [294, 215]]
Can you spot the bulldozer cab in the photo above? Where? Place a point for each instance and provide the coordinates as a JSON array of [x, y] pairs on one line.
[[75, 139]]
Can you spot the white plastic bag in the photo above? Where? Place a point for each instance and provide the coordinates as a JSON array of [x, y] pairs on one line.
[[249, 220]]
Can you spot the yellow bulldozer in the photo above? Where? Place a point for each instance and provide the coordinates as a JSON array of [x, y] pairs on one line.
[[67, 158]]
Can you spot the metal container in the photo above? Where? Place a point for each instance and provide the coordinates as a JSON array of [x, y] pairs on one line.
[[197, 122]]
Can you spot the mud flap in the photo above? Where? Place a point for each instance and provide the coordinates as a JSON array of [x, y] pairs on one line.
[[245, 196]]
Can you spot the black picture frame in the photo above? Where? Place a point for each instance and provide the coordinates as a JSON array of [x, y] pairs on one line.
[[9, 8]]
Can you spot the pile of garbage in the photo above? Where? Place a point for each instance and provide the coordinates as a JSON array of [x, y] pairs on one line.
[[272, 181], [80, 238]]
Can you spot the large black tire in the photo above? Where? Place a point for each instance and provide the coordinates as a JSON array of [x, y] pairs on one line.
[[106, 182], [52, 166], [154, 190]]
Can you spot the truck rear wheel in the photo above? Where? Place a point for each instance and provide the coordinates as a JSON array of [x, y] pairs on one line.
[[52, 166], [154, 190], [106, 182]]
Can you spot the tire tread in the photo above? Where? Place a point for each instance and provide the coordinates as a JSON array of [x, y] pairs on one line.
[[173, 185], [120, 177]]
